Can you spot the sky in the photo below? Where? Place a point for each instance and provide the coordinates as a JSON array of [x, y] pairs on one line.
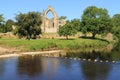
[[69, 8]]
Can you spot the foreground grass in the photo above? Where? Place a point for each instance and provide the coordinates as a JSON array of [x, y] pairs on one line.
[[51, 44]]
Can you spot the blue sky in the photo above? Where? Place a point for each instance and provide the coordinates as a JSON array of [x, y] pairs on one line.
[[69, 8]]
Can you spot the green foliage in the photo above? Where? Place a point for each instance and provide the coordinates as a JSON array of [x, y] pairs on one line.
[[62, 17], [1, 19], [95, 20], [116, 25], [8, 26], [67, 30], [29, 24], [1, 23], [76, 24]]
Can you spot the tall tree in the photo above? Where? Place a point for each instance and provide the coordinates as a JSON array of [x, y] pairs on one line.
[[67, 30], [29, 24], [116, 25], [95, 20], [1, 22]]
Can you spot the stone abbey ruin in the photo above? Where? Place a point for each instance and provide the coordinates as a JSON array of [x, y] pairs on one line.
[[51, 25]]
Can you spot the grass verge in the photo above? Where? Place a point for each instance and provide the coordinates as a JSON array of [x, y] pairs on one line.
[[51, 44]]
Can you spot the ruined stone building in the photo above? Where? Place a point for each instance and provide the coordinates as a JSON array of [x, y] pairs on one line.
[[51, 25]]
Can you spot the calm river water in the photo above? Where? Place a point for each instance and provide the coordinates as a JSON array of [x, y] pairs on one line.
[[44, 68]]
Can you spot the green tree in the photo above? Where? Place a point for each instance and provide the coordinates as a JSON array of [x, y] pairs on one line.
[[67, 30], [1, 23], [76, 24], [29, 24], [116, 31], [116, 25], [1, 19], [62, 17], [8, 26], [95, 20]]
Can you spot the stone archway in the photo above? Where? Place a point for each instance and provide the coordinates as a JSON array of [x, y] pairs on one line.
[[49, 25]]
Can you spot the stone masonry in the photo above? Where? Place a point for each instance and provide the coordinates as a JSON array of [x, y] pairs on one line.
[[51, 25]]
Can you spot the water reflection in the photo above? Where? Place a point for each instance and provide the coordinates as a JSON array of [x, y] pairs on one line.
[[37, 66], [27, 65], [66, 63], [2, 66], [92, 55], [44, 68], [95, 71]]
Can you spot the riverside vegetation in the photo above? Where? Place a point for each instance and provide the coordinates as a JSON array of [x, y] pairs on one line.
[[52, 44]]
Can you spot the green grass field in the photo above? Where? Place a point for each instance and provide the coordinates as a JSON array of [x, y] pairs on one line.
[[51, 44]]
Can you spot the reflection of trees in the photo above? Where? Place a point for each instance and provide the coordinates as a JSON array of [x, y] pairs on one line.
[[52, 66], [66, 63], [35, 65], [29, 65], [92, 55], [95, 71], [2, 66]]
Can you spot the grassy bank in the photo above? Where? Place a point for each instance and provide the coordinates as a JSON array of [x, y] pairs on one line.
[[51, 44]]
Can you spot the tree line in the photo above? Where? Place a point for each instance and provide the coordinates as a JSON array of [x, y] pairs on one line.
[[94, 20]]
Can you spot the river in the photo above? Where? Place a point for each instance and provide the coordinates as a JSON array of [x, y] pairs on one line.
[[94, 65], [49, 68]]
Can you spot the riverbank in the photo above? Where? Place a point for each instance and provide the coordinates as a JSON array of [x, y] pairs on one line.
[[43, 53], [51, 44], [16, 47]]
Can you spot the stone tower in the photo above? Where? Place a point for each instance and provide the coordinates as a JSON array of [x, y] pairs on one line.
[[51, 25]]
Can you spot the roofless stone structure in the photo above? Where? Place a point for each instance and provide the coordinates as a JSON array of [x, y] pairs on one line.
[[51, 25]]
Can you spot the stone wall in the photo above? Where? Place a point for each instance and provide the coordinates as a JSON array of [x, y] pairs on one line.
[[51, 25]]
